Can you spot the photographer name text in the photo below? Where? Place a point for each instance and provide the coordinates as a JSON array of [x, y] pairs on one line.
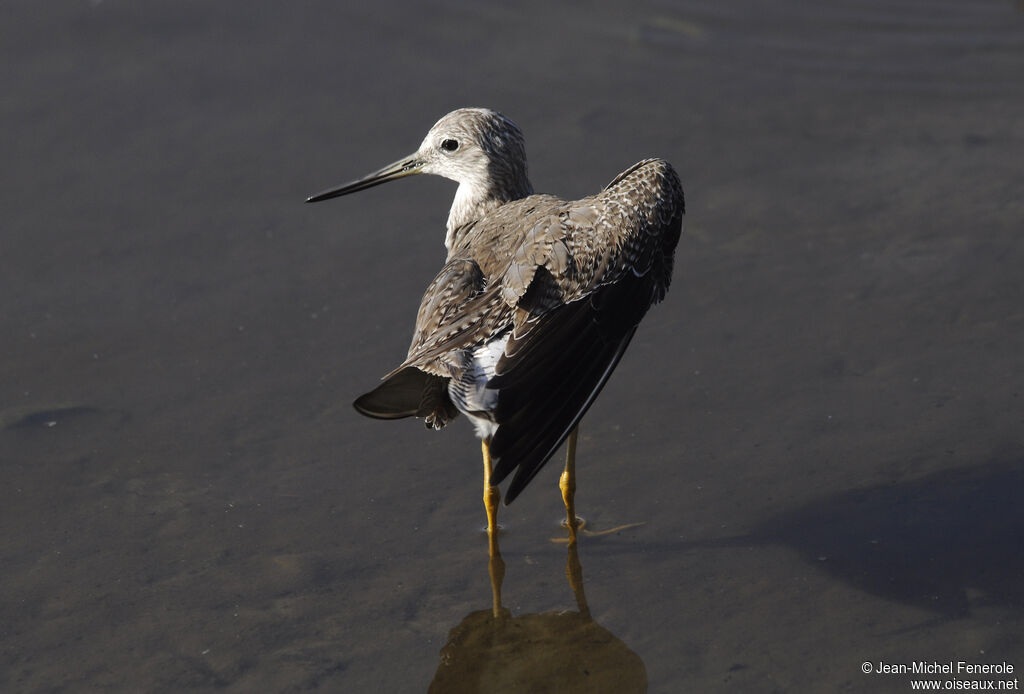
[[934, 667]]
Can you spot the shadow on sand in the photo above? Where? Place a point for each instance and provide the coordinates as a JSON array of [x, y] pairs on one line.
[[948, 542]]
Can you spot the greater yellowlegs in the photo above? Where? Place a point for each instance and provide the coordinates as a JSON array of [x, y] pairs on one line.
[[536, 303]]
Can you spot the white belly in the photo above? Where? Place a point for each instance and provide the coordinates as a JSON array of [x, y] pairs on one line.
[[470, 393]]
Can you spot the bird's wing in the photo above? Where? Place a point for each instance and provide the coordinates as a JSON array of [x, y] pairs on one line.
[[576, 315], [457, 309], [478, 292], [419, 386]]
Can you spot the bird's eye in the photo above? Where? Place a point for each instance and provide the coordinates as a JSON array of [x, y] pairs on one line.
[[449, 145]]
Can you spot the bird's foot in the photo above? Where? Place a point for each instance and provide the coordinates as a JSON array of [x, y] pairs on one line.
[[581, 526]]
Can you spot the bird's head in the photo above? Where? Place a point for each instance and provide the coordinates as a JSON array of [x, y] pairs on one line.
[[479, 148]]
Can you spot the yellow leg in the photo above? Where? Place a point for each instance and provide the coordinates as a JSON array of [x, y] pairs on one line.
[[496, 567], [567, 483], [492, 496]]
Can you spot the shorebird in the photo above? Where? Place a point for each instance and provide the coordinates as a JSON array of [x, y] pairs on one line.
[[536, 303]]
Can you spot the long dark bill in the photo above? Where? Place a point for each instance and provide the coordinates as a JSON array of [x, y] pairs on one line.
[[399, 169]]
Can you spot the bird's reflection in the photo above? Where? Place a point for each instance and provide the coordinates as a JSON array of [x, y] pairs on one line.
[[563, 651]]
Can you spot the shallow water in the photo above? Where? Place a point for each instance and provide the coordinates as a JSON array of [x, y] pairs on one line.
[[820, 427]]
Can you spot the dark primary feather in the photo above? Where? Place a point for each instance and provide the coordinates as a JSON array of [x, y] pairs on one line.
[[546, 388], [570, 281]]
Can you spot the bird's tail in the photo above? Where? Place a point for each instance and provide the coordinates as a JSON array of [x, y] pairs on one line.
[[409, 393]]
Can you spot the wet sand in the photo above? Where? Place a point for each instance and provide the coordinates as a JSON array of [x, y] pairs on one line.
[[821, 427]]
